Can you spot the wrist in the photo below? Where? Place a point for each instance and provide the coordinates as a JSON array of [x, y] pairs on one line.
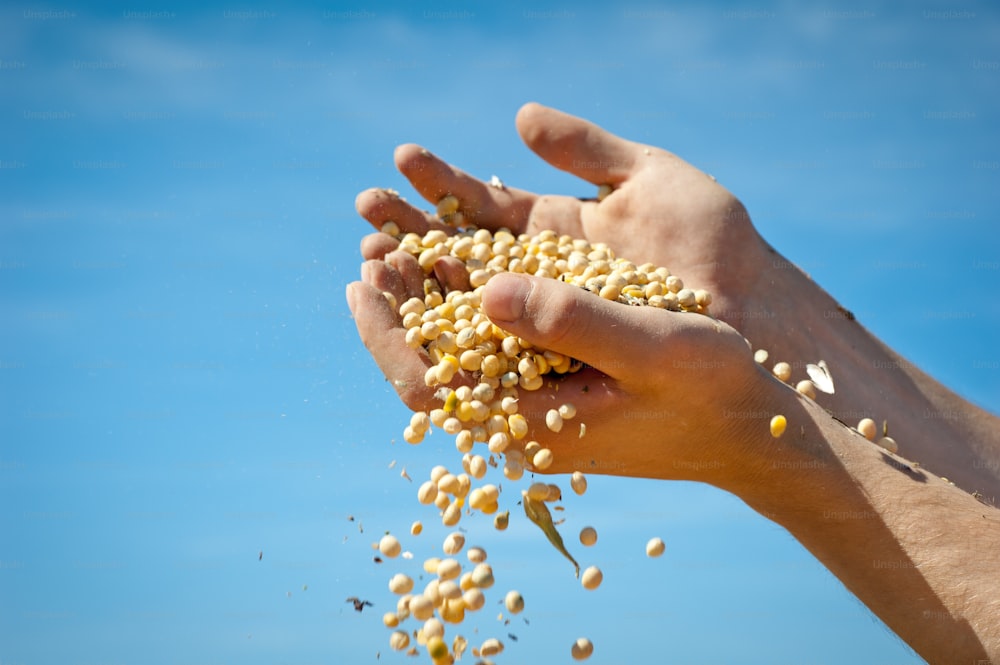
[[769, 465], [797, 322]]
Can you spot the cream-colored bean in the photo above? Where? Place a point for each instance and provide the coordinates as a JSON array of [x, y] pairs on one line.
[[514, 602], [389, 546], [591, 578]]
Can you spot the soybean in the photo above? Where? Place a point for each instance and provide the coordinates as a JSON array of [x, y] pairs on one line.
[[591, 578], [389, 546], [778, 425], [582, 649], [514, 602]]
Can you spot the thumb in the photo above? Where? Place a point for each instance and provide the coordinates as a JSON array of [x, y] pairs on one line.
[[609, 336]]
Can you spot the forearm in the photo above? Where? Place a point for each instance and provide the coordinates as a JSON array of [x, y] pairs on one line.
[[800, 323], [918, 552]]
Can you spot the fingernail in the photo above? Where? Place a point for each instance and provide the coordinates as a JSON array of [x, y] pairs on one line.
[[349, 294], [506, 296]]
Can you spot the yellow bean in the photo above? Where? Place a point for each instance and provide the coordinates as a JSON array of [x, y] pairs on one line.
[[778, 424]]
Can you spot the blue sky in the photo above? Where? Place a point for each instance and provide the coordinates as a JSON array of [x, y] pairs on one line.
[[182, 388]]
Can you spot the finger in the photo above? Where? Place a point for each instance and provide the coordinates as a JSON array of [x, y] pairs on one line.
[[379, 206], [562, 214], [377, 245], [484, 205], [452, 274], [377, 326], [577, 146], [618, 340], [385, 278], [411, 274]]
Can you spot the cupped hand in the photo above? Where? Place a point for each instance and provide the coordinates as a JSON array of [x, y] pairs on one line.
[[658, 393], [661, 210], [659, 397]]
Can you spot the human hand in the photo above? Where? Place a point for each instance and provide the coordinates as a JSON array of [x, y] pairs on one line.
[[661, 210], [657, 397], [655, 379]]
